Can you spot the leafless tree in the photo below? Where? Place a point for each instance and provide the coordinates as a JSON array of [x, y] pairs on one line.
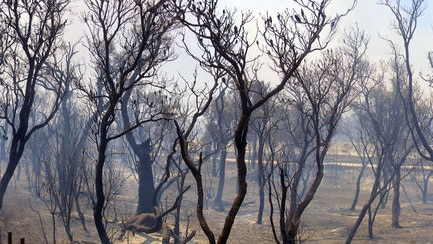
[[406, 17], [203, 100], [263, 124], [373, 151], [403, 143], [421, 175], [147, 151], [59, 155], [405, 23], [315, 102], [351, 129], [225, 44], [385, 139], [128, 42], [220, 128], [32, 48]]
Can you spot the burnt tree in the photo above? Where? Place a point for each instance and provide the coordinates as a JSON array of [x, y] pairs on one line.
[[31, 42], [225, 44], [128, 41]]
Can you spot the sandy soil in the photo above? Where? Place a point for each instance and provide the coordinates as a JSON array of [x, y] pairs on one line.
[[327, 220]]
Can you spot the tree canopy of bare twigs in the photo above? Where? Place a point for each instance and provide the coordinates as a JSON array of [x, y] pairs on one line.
[[128, 41], [225, 50], [405, 23], [31, 59]]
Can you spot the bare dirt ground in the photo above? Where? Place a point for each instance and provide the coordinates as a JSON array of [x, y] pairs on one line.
[[327, 220]]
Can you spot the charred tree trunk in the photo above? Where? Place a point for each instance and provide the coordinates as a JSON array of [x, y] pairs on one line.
[[146, 187], [3, 156], [370, 225], [358, 221], [372, 214], [176, 229], [386, 177], [218, 202], [358, 187], [291, 234], [98, 208], [396, 198], [20, 137], [261, 179], [215, 160], [99, 184], [425, 187], [33, 44], [253, 156], [16, 151], [196, 173], [147, 200], [424, 192], [80, 212], [241, 144], [294, 219], [376, 191]]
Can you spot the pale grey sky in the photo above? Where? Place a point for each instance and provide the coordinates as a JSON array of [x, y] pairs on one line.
[[376, 20]]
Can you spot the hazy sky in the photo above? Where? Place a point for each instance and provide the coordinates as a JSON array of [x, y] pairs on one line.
[[376, 20]]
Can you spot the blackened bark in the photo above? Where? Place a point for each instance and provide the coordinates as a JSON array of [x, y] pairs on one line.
[[147, 201], [176, 228], [80, 212], [425, 188], [396, 199], [14, 158], [99, 186], [16, 151], [253, 157], [261, 179], [33, 45], [358, 222], [358, 187], [241, 144], [222, 141], [218, 202], [292, 233], [3, 145], [196, 173], [98, 209], [146, 187], [215, 159], [373, 194]]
